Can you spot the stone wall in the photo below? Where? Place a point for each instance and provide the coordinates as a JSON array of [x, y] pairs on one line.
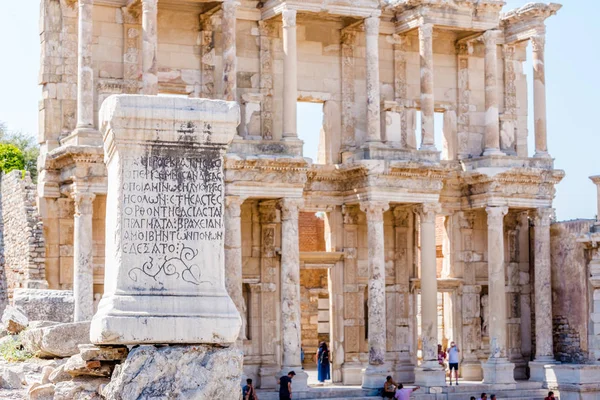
[[312, 232], [24, 250], [569, 278], [313, 286]]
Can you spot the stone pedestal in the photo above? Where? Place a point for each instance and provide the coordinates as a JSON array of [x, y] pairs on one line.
[[164, 279], [498, 372]]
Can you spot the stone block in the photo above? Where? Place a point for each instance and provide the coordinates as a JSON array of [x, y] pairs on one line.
[[80, 388], [41, 391], [77, 366], [14, 320], [10, 379], [45, 305], [103, 353], [178, 372], [57, 341]]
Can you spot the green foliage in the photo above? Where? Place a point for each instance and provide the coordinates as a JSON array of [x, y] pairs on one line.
[[11, 158], [28, 147], [12, 350]]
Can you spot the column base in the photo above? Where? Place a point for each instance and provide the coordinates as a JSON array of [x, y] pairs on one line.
[[299, 381], [374, 376], [498, 371], [430, 374], [428, 147], [471, 371], [268, 375], [492, 152], [537, 369], [83, 137], [542, 154], [404, 373], [352, 373]]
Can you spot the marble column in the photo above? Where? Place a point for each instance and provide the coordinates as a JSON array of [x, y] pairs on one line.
[[290, 75], [376, 371], [596, 180], [85, 71], [149, 47], [83, 266], [427, 96], [492, 116], [544, 350], [497, 369], [290, 290], [538, 44], [430, 373], [233, 256], [373, 96], [229, 50]]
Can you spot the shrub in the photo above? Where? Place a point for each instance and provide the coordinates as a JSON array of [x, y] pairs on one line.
[[11, 158]]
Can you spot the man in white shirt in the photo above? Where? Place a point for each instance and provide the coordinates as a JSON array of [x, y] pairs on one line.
[[453, 359]]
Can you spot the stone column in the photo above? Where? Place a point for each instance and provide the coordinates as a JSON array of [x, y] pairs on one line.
[[85, 72], [497, 369], [543, 286], [373, 96], [427, 97], [596, 180], [290, 75], [376, 371], [83, 267], [538, 44], [229, 50], [233, 256], [492, 118], [430, 373], [290, 291], [149, 47]]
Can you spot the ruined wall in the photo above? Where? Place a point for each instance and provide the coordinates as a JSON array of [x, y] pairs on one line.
[[569, 288], [24, 248], [313, 286], [312, 232]]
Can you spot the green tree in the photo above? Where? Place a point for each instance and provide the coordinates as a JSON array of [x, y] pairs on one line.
[[26, 144], [11, 158]]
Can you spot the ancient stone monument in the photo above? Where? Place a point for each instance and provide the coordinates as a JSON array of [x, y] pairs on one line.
[[165, 279]]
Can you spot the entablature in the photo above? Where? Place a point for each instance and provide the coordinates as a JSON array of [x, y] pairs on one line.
[[523, 23], [343, 8]]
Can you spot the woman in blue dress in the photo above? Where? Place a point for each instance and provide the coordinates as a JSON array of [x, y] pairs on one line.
[[323, 358]]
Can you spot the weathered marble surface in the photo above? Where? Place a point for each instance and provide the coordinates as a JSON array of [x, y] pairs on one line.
[[543, 285], [83, 265], [177, 372], [57, 340], [373, 95], [45, 305], [165, 280]]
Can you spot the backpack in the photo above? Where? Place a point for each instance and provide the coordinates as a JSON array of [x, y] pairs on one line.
[[324, 357]]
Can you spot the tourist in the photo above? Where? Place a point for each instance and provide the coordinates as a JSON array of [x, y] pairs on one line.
[[389, 388], [285, 386], [493, 397], [550, 396], [441, 354], [404, 394], [483, 396], [323, 362], [249, 392], [453, 361], [473, 398], [302, 357]]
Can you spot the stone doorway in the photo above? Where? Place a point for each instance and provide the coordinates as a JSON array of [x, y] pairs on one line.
[[446, 321]]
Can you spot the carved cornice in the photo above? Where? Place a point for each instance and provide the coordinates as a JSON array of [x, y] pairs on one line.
[[523, 23], [343, 8], [64, 156]]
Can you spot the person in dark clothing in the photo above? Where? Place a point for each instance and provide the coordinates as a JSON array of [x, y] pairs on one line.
[[285, 386], [249, 393], [323, 363]]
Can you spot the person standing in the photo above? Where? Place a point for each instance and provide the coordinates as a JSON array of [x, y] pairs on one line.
[[323, 363], [453, 358], [285, 386], [249, 391], [404, 394]]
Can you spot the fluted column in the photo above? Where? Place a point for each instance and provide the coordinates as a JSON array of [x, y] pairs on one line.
[[83, 266], [492, 116], [544, 350], [427, 97], [538, 44], [233, 256], [149, 47], [290, 75], [228, 28], [374, 375], [85, 72], [290, 283], [373, 96], [497, 369], [430, 372]]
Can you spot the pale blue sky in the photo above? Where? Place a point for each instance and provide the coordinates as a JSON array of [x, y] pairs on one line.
[[572, 63]]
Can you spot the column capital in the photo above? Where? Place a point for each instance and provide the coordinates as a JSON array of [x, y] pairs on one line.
[[496, 213], [233, 205], [428, 211], [426, 30], [374, 210], [542, 217], [490, 38], [372, 25], [538, 42], [289, 18], [149, 4], [290, 208], [83, 202]]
